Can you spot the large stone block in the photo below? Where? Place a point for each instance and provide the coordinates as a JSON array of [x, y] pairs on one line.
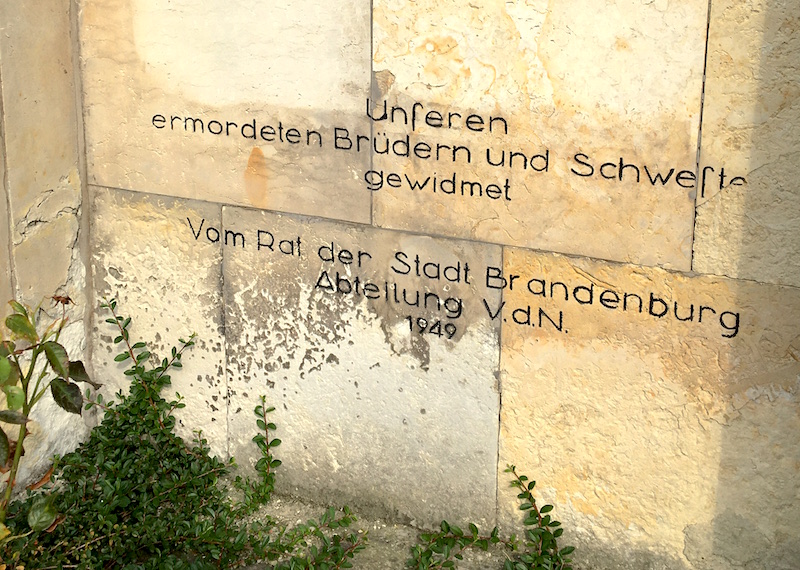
[[146, 254], [40, 131], [749, 227], [571, 115], [375, 349], [659, 411], [235, 102]]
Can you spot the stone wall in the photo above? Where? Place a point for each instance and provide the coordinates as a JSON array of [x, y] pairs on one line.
[[441, 237], [41, 196]]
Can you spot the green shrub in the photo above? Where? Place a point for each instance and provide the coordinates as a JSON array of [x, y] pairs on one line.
[[136, 496], [539, 550], [32, 361]]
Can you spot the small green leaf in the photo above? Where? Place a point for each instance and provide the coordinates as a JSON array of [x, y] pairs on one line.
[[19, 308], [546, 509], [5, 370], [4, 448], [77, 372], [57, 357], [12, 418], [121, 357], [566, 550], [13, 377], [42, 513], [4, 532], [67, 395], [22, 327], [6, 348], [15, 397]]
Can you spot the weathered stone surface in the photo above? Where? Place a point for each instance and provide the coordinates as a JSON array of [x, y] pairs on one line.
[[151, 69], [750, 228], [567, 79], [41, 147], [664, 434], [370, 412], [144, 253], [41, 196]]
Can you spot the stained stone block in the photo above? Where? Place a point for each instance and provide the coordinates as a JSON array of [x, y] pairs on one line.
[[658, 411], [237, 102], [151, 253], [749, 227], [377, 352], [578, 124]]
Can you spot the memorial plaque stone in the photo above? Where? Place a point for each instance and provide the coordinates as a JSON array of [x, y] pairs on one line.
[[564, 126], [376, 350], [235, 102]]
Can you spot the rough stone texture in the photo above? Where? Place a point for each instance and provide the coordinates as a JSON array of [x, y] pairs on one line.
[[41, 147], [144, 253], [369, 412], [668, 441], [750, 125], [302, 65], [41, 194], [569, 78]]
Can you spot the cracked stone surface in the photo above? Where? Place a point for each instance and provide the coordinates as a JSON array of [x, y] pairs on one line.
[[41, 194], [750, 125]]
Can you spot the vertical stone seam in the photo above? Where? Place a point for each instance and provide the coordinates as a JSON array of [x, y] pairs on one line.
[[499, 396], [223, 319], [700, 133], [6, 194], [369, 95], [84, 223]]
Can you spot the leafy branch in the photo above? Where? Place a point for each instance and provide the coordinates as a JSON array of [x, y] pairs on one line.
[[24, 383]]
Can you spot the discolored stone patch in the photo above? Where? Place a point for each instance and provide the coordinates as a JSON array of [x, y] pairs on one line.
[[376, 351], [169, 281]]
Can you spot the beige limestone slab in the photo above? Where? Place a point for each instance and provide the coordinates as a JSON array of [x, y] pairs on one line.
[[235, 102], [322, 320], [582, 83], [749, 228], [40, 128], [144, 253], [41, 196], [656, 437]]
